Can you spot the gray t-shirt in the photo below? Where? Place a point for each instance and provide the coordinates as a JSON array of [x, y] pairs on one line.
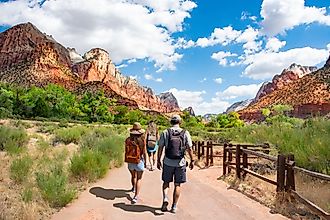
[[164, 140]]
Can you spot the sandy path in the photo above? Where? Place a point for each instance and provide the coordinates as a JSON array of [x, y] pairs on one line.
[[203, 197]]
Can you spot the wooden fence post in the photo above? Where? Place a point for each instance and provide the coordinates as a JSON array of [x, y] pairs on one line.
[[199, 150], [224, 161], [290, 180], [230, 157], [245, 161], [211, 146], [207, 154], [238, 161], [203, 153], [280, 173]]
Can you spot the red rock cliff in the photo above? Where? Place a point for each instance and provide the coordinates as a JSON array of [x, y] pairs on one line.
[[29, 57]]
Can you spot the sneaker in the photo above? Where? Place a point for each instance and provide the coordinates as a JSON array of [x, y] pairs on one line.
[[133, 190], [134, 200], [164, 206], [173, 210]]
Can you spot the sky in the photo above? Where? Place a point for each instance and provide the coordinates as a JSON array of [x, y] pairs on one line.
[[208, 53]]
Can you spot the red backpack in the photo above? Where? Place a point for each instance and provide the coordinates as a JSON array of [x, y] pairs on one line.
[[132, 152]]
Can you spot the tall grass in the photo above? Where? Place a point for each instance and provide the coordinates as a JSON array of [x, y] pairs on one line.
[[20, 168], [54, 186], [12, 139], [98, 148], [308, 142], [70, 135]]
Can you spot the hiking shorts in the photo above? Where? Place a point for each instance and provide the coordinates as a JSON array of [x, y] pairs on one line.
[[178, 173], [137, 167]]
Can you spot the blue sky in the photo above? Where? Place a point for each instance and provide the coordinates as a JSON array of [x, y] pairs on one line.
[[210, 54]]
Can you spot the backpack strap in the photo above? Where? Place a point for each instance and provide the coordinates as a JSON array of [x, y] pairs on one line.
[[169, 136]]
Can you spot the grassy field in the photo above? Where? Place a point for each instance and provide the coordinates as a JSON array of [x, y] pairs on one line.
[[44, 165], [308, 140]]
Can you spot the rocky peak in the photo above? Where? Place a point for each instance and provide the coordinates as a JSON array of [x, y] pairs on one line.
[[288, 75], [238, 106], [327, 64], [190, 110], [97, 54], [74, 56], [168, 98]]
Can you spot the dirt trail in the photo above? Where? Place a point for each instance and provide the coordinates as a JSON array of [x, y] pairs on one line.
[[203, 197]]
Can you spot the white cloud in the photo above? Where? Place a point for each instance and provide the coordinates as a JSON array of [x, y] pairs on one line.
[[218, 80], [182, 43], [128, 29], [150, 77], [221, 56], [266, 64], [240, 91], [195, 100], [247, 16], [121, 66], [274, 44], [222, 36], [249, 37], [134, 77], [279, 16]]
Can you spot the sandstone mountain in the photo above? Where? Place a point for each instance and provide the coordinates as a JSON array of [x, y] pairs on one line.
[[305, 88], [29, 57], [238, 106], [190, 110]]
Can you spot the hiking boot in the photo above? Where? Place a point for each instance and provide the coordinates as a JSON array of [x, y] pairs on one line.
[[164, 206]]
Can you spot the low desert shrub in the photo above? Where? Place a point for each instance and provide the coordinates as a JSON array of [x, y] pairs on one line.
[[89, 164], [12, 139], [70, 135], [54, 186], [20, 168]]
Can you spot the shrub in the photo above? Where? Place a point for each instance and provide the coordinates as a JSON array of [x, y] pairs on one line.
[[27, 194], [12, 139], [89, 164], [19, 168], [54, 186], [70, 135]]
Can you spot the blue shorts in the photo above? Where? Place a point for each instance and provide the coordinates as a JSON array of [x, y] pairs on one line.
[[152, 150], [137, 167]]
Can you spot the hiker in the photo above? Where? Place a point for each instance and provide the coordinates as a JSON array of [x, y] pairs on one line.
[[152, 137], [135, 154], [176, 141]]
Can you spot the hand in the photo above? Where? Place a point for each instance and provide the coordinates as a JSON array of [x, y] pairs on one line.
[[191, 165], [159, 165]]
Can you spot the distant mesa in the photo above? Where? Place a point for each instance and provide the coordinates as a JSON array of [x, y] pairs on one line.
[[305, 88], [238, 106], [29, 57]]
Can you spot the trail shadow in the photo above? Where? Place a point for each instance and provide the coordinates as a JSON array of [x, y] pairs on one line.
[[138, 208], [109, 194]]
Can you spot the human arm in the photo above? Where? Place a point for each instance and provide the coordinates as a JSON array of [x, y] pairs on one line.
[[161, 145], [189, 150]]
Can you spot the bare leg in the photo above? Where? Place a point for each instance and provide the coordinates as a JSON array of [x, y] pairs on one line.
[[166, 186], [138, 183], [133, 178], [176, 193], [154, 158], [150, 162]]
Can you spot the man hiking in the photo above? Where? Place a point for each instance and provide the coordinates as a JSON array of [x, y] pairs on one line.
[[176, 141]]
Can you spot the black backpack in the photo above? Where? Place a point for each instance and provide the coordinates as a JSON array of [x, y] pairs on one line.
[[175, 145]]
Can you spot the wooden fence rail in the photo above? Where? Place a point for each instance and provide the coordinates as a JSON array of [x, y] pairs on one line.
[[236, 157]]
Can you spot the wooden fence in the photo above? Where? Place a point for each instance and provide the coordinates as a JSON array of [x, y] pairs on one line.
[[236, 157]]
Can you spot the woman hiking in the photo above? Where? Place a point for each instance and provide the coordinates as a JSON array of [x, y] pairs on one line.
[[135, 156], [152, 137]]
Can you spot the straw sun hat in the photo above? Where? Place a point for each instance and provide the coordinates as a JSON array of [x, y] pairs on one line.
[[136, 129]]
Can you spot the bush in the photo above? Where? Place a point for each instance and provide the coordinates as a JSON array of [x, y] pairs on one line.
[[89, 164], [12, 139], [70, 135], [54, 186], [19, 168], [27, 194]]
